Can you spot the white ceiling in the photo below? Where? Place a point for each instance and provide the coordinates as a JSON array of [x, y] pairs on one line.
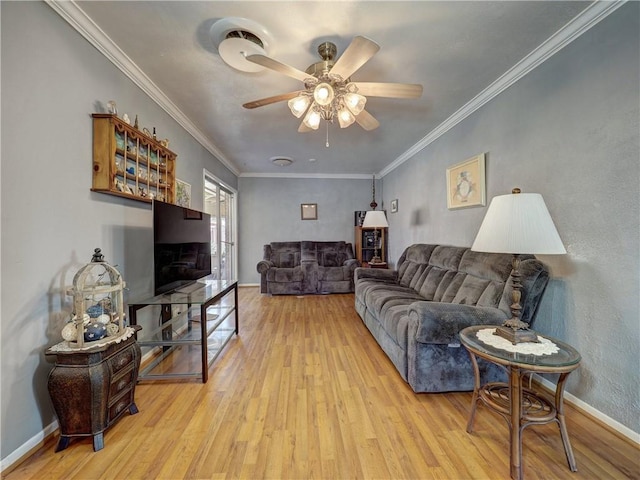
[[454, 49]]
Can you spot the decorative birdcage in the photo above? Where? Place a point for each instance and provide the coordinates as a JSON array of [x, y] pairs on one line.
[[98, 307]]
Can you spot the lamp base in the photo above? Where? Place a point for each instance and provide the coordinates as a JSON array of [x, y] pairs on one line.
[[515, 336], [375, 259]]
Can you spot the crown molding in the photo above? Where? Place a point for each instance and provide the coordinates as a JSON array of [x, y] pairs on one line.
[[589, 17], [335, 176], [78, 19]]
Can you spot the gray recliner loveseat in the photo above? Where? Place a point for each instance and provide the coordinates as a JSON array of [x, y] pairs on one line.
[[416, 311], [307, 267]]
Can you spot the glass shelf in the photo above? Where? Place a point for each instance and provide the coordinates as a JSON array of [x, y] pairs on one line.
[[181, 345]]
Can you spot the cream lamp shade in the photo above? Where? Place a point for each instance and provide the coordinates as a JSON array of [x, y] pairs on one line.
[[518, 223], [375, 219]]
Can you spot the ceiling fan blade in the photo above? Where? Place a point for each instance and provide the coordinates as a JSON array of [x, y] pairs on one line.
[[367, 121], [269, 100], [391, 90], [359, 51], [279, 67]]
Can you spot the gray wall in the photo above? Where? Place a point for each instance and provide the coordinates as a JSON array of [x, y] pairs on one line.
[[52, 80], [570, 131], [269, 211]]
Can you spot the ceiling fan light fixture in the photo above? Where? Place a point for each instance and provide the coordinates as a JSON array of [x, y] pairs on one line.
[[299, 105], [345, 117], [355, 102], [323, 94], [312, 119]]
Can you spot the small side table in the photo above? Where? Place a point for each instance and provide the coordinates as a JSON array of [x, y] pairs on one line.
[[92, 388], [520, 406]]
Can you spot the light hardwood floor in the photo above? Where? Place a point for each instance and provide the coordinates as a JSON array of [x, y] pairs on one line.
[[305, 392]]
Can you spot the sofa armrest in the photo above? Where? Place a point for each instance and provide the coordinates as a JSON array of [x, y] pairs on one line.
[[440, 323], [352, 263], [382, 274], [264, 265]]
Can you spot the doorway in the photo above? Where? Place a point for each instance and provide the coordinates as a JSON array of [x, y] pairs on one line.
[[220, 203]]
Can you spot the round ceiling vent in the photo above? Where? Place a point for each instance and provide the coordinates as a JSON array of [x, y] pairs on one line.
[[236, 38], [282, 161]]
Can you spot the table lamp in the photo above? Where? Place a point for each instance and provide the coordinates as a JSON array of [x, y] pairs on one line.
[[375, 219], [519, 224]]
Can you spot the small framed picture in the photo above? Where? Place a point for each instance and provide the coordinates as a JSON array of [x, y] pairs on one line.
[[183, 193], [309, 211], [466, 183], [394, 205]]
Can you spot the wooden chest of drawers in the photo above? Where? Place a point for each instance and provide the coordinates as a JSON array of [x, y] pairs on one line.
[[91, 389]]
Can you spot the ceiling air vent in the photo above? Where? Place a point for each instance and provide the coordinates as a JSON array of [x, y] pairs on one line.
[[236, 38]]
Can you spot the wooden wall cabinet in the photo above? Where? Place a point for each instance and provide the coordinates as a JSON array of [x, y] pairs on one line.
[[365, 246], [128, 163]]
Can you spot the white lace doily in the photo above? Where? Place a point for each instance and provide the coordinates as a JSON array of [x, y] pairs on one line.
[[545, 347], [65, 346]]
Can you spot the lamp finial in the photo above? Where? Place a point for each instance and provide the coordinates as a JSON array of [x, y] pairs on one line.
[[516, 190]]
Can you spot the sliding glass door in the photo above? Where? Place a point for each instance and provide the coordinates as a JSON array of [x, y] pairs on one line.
[[219, 202]]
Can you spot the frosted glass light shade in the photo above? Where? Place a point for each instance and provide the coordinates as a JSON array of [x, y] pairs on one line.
[[518, 223], [375, 219], [345, 118], [323, 94], [312, 119], [299, 105], [354, 102]]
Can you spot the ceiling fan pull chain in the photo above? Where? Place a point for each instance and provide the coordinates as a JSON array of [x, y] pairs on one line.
[[327, 144]]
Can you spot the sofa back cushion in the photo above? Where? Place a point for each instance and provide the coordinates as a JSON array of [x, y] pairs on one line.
[[284, 254], [441, 273], [484, 278], [412, 263], [333, 254]]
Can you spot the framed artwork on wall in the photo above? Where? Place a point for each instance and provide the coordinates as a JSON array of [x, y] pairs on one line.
[[183, 194], [309, 211], [394, 205], [466, 184]]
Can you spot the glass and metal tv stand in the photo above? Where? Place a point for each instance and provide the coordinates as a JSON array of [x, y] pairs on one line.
[[185, 330]]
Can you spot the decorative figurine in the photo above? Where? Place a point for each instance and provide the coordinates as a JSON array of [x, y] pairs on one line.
[[111, 107], [126, 119], [135, 123]]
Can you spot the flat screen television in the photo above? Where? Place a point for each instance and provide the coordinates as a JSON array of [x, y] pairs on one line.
[[181, 246]]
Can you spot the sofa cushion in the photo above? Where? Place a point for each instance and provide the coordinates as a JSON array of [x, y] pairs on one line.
[[334, 273], [377, 296], [413, 258], [285, 274], [284, 254], [396, 321], [331, 259]]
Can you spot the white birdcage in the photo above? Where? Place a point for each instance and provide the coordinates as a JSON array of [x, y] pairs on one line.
[[98, 307]]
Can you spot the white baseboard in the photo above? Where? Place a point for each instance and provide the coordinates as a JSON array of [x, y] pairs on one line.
[[26, 447], [248, 284], [576, 402]]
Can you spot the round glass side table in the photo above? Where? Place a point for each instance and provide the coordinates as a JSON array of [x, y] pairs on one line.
[[521, 406]]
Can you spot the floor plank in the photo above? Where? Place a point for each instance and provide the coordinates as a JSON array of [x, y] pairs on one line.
[[305, 392]]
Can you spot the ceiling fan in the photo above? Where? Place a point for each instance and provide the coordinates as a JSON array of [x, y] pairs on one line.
[[328, 92]]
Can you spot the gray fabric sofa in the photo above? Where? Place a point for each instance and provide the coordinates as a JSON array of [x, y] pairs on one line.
[[416, 311], [305, 267]]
